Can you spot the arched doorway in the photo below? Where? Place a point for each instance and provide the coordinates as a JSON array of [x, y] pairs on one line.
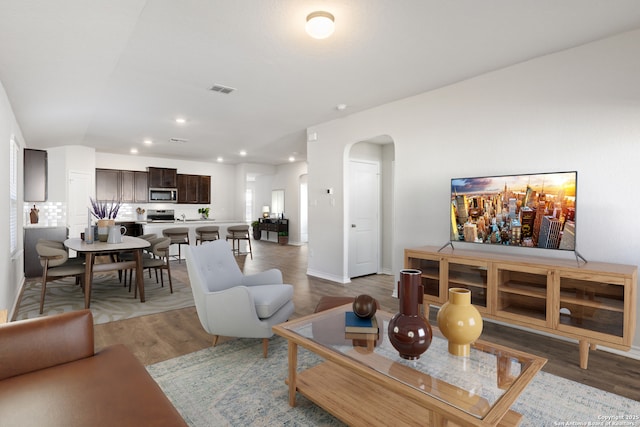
[[369, 208]]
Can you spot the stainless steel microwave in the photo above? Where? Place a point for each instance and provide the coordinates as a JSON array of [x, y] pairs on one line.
[[165, 195]]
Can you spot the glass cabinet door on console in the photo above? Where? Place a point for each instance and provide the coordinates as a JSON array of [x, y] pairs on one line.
[[595, 304], [522, 293], [471, 275], [430, 267]]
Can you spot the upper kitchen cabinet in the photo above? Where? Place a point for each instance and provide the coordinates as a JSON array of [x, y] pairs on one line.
[[35, 175], [163, 177], [204, 193], [126, 186], [107, 184], [134, 186], [194, 189]]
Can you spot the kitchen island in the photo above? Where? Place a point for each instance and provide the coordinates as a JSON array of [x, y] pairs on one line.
[[157, 227]]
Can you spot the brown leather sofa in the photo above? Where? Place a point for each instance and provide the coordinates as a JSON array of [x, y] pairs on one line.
[[50, 376]]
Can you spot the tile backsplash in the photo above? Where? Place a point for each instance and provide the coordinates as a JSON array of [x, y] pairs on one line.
[[52, 214]]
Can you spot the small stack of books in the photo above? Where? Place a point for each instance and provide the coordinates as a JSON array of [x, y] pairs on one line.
[[363, 332]]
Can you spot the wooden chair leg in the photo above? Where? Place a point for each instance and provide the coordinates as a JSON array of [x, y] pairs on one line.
[[215, 340], [44, 284], [265, 347], [169, 274], [250, 251]]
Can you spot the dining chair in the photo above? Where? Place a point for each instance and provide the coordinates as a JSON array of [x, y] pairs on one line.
[[56, 263], [128, 256], [160, 261]]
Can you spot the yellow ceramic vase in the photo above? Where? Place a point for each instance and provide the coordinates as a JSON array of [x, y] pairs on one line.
[[459, 321]]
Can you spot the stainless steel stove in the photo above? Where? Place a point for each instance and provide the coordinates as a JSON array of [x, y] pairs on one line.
[[161, 215]]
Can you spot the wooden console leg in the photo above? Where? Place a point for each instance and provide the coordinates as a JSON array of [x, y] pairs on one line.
[[293, 371], [584, 353]]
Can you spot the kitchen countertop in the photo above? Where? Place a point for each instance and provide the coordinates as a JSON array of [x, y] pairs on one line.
[[193, 221], [42, 225]]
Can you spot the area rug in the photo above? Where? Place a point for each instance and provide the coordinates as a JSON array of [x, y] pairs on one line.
[[110, 300], [233, 385]]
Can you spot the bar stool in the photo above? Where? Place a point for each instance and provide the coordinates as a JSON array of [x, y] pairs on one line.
[[179, 236], [207, 233], [238, 233]]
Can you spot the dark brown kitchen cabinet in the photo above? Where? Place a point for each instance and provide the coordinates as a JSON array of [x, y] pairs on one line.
[[188, 186], [126, 186], [134, 187], [204, 191], [107, 184], [194, 189], [35, 175], [163, 177]]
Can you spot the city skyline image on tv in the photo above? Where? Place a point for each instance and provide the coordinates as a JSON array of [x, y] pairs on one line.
[[528, 210]]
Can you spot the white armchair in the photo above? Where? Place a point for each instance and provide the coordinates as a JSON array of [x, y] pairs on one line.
[[232, 304]]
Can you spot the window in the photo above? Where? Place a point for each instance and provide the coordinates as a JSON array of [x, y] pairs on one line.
[[13, 194], [248, 207]]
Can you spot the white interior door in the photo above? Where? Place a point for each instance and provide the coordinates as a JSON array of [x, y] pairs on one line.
[[79, 193], [364, 225]]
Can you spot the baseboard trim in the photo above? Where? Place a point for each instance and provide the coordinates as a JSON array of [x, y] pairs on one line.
[[16, 301], [330, 277], [634, 353]]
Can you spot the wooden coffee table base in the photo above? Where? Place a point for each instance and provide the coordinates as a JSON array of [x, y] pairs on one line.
[[356, 400]]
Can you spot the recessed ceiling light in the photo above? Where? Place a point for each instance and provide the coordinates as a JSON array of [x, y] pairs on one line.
[[341, 107], [220, 159], [292, 159], [134, 151], [148, 142], [181, 120], [243, 153]]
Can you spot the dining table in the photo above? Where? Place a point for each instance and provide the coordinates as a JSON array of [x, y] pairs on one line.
[[90, 251]]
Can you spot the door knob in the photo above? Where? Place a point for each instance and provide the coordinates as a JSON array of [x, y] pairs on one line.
[[353, 226]]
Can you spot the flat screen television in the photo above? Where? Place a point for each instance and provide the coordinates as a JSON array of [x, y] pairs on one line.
[[529, 210]]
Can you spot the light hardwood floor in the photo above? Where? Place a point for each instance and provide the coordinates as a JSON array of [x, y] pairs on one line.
[[163, 336]]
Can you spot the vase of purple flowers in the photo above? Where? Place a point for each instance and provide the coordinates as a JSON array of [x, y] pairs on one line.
[[105, 213]]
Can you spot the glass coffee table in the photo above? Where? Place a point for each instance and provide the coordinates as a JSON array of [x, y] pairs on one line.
[[363, 380]]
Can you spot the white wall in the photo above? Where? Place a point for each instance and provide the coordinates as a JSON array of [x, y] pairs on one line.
[[11, 265], [574, 110], [61, 161], [288, 178]]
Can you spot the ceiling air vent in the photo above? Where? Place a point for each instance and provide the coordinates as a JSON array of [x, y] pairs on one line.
[[222, 89], [178, 140]]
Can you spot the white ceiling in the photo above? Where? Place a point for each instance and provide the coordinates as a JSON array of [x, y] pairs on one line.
[[111, 73]]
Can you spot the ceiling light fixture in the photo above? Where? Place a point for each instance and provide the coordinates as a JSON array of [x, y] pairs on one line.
[[292, 159], [320, 25], [148, 142], [181, 120], [341, 107], [134, 151], [220, 159], [243, 153]]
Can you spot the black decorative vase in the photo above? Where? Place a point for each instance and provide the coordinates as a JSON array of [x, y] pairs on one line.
[[409, 332]]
